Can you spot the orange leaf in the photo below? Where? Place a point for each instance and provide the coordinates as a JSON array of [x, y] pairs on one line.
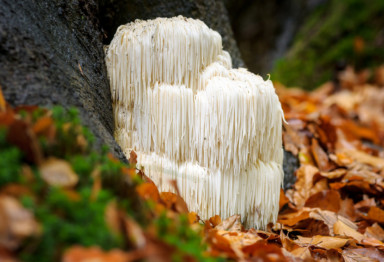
[[83, 254], [326, 199], [376, 214], [193, 218], [3, 104], [283, 199], [323, 241], [320, 156], [174, 202], [293, 218], [42, 124], [148, 191], [215, 220]]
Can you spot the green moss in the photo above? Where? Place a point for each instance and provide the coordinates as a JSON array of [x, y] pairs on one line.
[[328, 37], [66, 222], [10, 161]]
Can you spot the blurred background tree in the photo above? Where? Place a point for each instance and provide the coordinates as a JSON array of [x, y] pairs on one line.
[[301, 42]]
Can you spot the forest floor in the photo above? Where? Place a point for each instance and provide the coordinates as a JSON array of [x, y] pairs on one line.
[[60, 200]]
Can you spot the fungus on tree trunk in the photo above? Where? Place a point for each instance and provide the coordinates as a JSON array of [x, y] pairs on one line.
[[190, 117]]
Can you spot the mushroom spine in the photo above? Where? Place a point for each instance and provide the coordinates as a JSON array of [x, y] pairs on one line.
[[190, 117]]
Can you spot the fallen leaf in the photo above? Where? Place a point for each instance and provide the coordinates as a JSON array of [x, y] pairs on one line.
[[283, 199], [134, 233], [326, 242], [292, 219], [21, 135], [232, 223], [87, 254], [347, 209], [215, 220], [132, 157], [321, 157], [57, 172], [326, 200], [304, 184], [375, 231], [112, 217], [174, 202], [148, 191], [17, 223], [339, 228], [334, 173], [42, 125], [365, 158], [264, 251], [3, 104], [193, 218], [376, 214], [330, 218], [362, 254]]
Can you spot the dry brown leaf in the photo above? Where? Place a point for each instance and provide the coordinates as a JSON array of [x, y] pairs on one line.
[[112, 218], [193, 218], [232, 223], [326, 242], [134, 233], [303, 253], [21, 135], [304, 184], [87, 254], [376, 214], [362, 255], [347, 209], [132, 157], [326, 200], [42, 124], [264, 251], [334, 174], [321, 158], [238, 240], [330, 218], [220, 244], [292, 219], [3, 104], [375, 231], [365, 158], [379, 76], [215, 220], [16, 223], [174, 202], [57, 172], [148, 191], [283, 199], [287, 243], [363, 174], [372, 242], [339, 228]]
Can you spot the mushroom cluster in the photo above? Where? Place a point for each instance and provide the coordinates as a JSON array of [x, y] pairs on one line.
[[190, 117]]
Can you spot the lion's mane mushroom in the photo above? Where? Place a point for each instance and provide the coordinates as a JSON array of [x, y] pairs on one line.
[[190, 117]]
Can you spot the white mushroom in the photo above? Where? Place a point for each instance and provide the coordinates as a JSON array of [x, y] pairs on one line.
[[190, 117]]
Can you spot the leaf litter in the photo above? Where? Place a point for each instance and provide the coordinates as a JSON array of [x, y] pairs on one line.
[[334, 211]]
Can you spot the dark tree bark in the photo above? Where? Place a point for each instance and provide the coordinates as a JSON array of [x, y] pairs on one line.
[[51, 52]]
